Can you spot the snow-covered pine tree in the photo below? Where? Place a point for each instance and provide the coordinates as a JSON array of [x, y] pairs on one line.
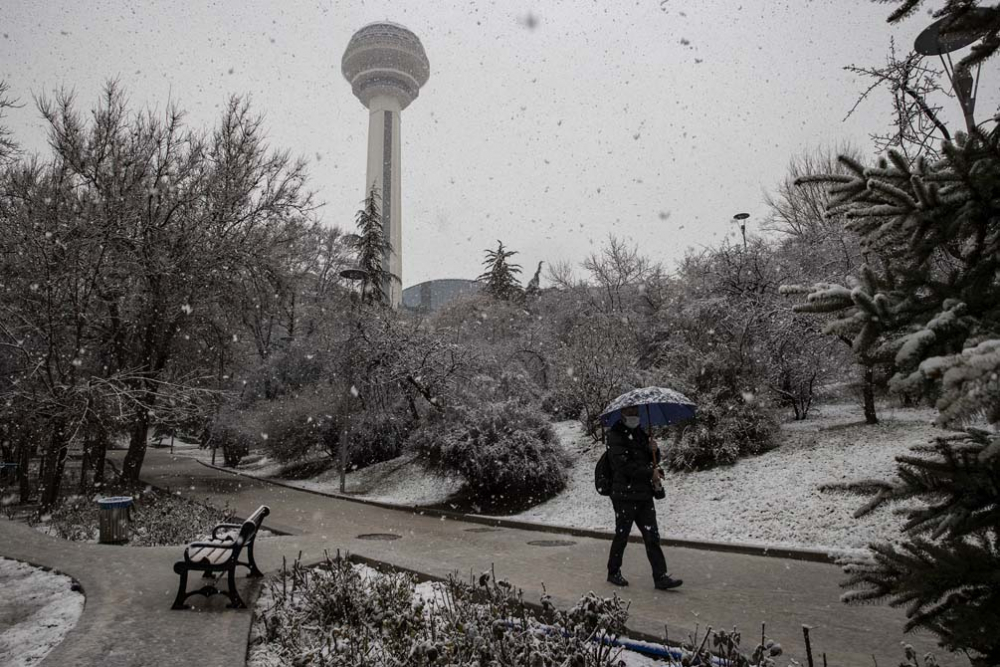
[[945, 570], [936, 229], [500, 278], [533, 290], [862, 316], [373, 250], [936, 310]]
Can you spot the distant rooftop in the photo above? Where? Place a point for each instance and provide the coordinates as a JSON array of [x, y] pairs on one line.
[[432, 295]]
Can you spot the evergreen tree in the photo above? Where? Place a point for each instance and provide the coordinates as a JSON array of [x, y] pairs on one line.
[[533, 290], [500, 278], [862, 322], [373, 250], [936, 228], [945, 571], [934, 309]]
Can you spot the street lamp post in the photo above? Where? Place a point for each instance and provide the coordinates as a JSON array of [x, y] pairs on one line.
[[939, 40], [354, 275], [741, 220]]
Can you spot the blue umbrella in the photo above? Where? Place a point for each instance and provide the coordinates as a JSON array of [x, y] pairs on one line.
[[659, 406]]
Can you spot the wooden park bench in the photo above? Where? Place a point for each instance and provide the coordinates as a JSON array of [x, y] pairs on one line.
[[221, 554]]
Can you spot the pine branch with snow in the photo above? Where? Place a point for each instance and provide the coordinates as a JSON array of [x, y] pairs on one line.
[[944, 570]]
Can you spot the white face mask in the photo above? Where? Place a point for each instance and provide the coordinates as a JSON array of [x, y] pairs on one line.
[[631, 422]]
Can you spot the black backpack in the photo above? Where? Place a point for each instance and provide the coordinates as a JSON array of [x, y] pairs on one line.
[[603, 474]]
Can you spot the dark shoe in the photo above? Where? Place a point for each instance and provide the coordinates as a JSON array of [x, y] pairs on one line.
[[617, 579], [666, 582]]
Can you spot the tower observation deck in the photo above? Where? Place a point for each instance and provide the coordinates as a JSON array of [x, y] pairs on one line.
[[386, 66]]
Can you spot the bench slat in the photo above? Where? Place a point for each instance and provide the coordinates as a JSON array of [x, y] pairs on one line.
[[219, 556], [212, 555]]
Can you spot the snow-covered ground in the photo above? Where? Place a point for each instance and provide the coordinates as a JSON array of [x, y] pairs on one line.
[[771, 499], [37, 609], [401, 481]]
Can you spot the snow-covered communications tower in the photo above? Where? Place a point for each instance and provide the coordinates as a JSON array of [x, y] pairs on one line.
[[386, 66]]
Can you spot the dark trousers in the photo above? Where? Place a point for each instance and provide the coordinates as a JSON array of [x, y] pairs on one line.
[[643, 514]]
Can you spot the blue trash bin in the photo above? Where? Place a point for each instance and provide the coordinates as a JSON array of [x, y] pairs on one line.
[[113, 519]]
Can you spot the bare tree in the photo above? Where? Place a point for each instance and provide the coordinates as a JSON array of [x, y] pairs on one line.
[[8, 147], [916, 119], [618, 269], [136, 230]]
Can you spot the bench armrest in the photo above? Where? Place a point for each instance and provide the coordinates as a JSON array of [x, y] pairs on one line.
[[226, 526]]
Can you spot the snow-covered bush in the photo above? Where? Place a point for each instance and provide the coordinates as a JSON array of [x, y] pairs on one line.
[[720, 434], [300, 425], [376, 436], [562, 405], [284, 373], [507, 452], [236, 433], [156, 518], [340, 614]]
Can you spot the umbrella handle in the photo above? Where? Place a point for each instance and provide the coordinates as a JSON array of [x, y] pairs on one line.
[[649, 434]]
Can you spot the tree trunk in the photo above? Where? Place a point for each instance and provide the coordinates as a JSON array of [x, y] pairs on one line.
[[23, 461], [53, 461], [85, 463], [132, 465], [868, 392], [99, 454]]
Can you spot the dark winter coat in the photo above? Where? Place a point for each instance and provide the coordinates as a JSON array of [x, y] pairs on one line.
[[632, 463]]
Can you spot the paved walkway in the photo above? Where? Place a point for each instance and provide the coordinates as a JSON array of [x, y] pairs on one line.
[[127, 620]]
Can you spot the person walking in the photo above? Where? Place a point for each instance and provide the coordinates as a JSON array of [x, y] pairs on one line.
[[635, 475]]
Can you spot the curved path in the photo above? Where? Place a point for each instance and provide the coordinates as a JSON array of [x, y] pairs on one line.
[[127, 620]]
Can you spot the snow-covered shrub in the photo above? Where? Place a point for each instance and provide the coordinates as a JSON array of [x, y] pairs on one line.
[[376, 436], [507, 452], [720, 434], [340, 614], [296, 426], [562, 405], [156, 518], [494, 383], [285, 373], [235, 433]]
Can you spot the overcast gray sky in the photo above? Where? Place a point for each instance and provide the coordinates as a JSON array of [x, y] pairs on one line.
[[655, 120]]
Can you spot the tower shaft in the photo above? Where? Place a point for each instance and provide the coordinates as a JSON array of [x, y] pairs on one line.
[[386, 65], [384, 174]]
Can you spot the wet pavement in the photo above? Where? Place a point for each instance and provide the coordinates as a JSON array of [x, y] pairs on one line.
[[128, 621]]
